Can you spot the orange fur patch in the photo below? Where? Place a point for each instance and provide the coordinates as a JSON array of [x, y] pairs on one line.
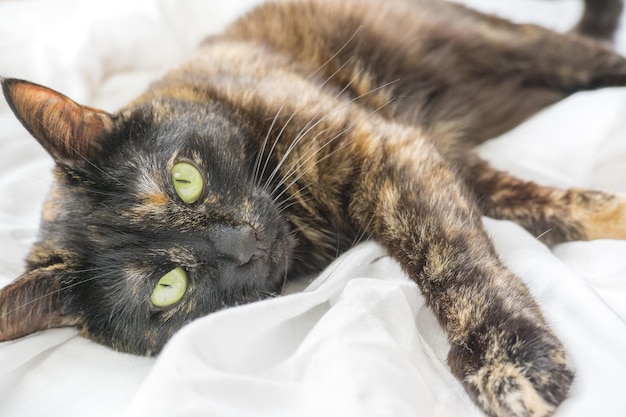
[[606, 218], [156, 199]]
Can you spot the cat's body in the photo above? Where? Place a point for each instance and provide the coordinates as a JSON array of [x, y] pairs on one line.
[[302, 129]]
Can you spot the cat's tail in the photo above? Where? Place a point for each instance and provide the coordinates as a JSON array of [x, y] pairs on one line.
[[600, 19]]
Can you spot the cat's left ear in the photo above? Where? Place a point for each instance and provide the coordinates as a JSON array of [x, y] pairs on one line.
[[32, 303], [68, 131]]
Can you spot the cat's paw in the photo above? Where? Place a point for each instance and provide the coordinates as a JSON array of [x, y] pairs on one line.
[[600, 215], [521, 373]]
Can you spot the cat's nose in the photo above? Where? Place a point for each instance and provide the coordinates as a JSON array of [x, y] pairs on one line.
[[237, 244]]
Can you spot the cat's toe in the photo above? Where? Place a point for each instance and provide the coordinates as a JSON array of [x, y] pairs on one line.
[[521, 373]]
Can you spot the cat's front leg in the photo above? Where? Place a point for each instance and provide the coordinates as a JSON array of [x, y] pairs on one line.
[[502, 349]]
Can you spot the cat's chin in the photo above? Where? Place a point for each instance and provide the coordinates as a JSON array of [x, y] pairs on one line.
[[279, 256]]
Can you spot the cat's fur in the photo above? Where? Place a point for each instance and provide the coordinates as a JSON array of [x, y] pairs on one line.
[[317, 124]]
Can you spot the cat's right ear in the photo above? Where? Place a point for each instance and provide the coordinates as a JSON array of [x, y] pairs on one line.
[[31, 303], [69, 131]]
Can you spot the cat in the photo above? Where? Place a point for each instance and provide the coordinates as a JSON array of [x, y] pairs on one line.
[[302, 129]]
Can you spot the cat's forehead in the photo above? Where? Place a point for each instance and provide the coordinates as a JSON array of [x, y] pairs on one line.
[[182, 118], [152, 138]]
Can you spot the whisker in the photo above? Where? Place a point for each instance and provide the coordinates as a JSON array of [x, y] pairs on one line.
[[305, 130], [358, 29], [288, 152], [37, 177], [82, 271], [316, 151], [86, 159], [64, 288], [543, 234], [98, 192], [280, 134], [331, 76], [51, 181], [360, 237], [293, 200], [257, 165], [343, 90], [285, 278], [268, 294]]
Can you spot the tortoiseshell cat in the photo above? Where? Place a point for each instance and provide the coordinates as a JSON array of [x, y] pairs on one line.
[[302, 129]]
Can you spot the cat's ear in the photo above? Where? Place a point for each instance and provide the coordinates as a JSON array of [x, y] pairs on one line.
[[67, 130], [32, 303]]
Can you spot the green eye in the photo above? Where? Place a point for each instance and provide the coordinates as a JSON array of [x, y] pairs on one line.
[[188, 182], [170, 288]]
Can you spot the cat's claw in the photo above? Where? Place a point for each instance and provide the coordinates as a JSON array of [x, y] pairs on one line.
[[518, 374]]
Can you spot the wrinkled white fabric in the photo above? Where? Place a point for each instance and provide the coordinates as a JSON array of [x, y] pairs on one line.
[[359, 341]]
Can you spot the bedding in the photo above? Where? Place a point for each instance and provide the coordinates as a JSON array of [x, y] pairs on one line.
[[358, 339]]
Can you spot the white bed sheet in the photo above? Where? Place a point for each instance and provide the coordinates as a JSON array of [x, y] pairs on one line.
[[359, 340]]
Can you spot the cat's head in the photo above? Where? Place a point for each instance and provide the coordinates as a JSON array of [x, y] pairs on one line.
[[154, 219]]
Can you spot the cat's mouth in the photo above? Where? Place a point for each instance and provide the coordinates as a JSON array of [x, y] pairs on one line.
[[257, 263]]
